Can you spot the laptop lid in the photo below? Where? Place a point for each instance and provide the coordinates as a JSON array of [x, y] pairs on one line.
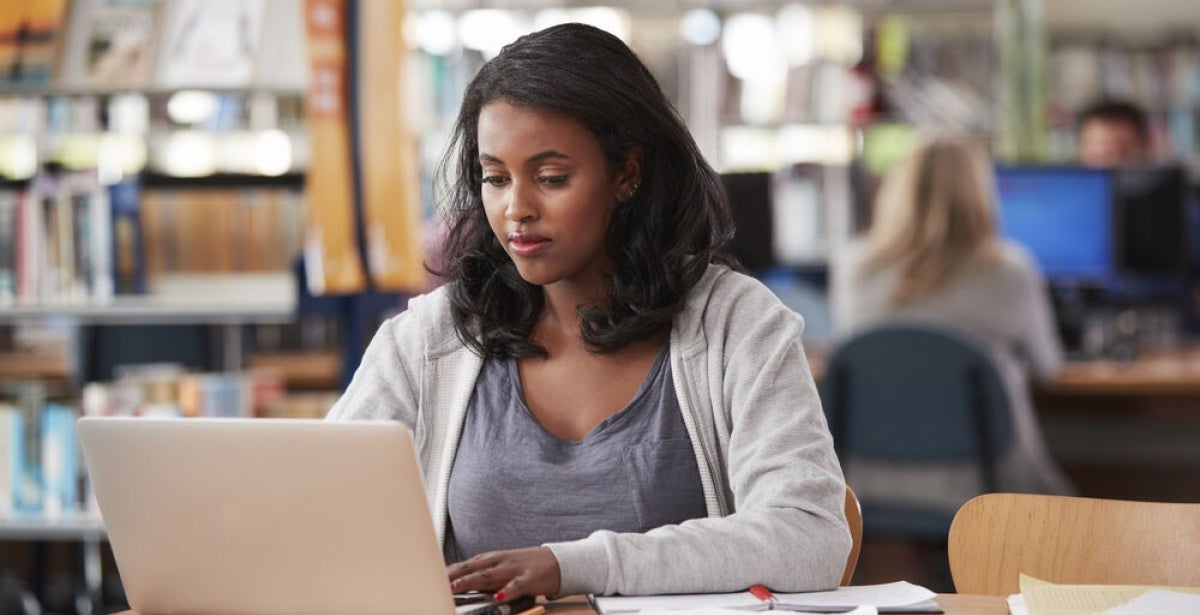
[[265, 516]]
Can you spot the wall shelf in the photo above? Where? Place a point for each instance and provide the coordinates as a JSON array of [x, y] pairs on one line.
[[242, 298], [68, 526]]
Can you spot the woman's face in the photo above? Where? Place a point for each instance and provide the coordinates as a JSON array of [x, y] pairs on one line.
[[548, 193]]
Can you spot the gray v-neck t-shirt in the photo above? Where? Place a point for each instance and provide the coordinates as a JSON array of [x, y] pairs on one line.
[[513, 484]]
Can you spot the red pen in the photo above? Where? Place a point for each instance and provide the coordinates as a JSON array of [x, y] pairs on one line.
[[762, 593]]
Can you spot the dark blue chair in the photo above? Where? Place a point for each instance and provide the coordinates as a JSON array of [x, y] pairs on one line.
[[916, 392]]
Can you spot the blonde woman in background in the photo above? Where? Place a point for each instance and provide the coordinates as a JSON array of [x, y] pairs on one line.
[[933, 254]]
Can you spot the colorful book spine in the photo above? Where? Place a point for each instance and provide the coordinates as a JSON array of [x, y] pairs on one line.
[[59, 461], [8, 246], [11, 438], [127, 256]]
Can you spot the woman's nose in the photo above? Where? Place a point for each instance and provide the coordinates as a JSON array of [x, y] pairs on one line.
[[522, 205]]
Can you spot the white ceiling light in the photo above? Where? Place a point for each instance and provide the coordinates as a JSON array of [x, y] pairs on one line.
[[272, 152], [839, 36], [487, 30], [190, 153], [796, 33], [435, 32], [751, 49], [550, 17], [606, 18], [700, 27], [191, 106]]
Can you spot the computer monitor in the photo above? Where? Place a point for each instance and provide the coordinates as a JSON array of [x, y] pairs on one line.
[[1151, 206], [750, 206], [1063, 216]]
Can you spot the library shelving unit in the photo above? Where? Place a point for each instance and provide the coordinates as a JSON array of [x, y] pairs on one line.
[[84, 528]]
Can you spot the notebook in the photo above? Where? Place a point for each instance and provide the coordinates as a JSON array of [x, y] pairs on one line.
[[897, 597], [267, 516]]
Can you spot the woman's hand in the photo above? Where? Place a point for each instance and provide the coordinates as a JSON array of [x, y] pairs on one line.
[[509, 574]]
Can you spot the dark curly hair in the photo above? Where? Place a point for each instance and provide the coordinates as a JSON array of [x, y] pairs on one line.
[[659, 242]]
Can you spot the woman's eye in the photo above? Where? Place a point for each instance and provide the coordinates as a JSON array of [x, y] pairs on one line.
[[553, 180], [495, 180]]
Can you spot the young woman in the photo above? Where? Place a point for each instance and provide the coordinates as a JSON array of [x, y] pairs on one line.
[[599, 404], [933, 253]]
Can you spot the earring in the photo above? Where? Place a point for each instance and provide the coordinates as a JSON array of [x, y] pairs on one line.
[[631, 191]]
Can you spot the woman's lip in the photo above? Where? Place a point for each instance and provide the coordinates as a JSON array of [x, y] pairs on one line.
[[527, 245]]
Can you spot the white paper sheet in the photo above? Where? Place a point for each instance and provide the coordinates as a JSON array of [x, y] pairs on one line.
[[1158, 601]]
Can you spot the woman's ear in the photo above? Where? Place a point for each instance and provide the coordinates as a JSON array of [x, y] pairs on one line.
[[629, 178]]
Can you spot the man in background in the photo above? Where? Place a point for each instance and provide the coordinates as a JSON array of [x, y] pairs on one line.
[[1113, 133]]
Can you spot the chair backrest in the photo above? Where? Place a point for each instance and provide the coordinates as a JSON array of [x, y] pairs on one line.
[[854, 520], [917, 392], [996, 537]]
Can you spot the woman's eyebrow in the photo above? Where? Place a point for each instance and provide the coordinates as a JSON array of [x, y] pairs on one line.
[[485, 157]]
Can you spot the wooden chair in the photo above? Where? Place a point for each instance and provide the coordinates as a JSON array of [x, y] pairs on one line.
[[854, 520], [998, 536]]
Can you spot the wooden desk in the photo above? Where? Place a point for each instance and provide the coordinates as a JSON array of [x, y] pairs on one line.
[[1119, 430], [952, 604], [1155, 374], [1127, 430]]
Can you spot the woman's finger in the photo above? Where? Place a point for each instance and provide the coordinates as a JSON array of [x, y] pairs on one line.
[[479, 562], [483, 579], [511, 590]]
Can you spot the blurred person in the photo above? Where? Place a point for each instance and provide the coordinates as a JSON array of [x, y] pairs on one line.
[[600, 403], [1113, 133], [933, 254]]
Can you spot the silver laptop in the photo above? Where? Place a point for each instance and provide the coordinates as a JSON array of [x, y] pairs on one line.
[[258, 517]]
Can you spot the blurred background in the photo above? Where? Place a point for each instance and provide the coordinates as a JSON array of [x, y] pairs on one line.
[[208, 206]]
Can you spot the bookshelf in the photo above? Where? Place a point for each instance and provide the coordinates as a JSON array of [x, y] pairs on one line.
[[210, 277], [1157, 71], [85, 528]]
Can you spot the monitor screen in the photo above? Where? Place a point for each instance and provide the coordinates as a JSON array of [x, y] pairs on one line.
[[750, 206], [1151, 205], [1063, 216]]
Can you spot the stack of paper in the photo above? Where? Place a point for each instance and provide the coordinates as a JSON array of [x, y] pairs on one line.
[[1039, 597], [899, 597]]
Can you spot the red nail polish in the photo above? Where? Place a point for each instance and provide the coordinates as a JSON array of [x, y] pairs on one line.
[[499, 597], [453, 585]]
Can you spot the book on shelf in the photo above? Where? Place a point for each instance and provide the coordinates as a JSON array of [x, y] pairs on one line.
[[110, 43], [8, 246], [280, 63], [215, 230], [39, 457], [92, 236], [127, 255], [29, 41], [11, 441], [61, 245], [59, 461], [1158, 75], [168, 390], [209, 43]]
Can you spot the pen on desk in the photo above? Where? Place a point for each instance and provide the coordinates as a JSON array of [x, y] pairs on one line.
[[537, 610]]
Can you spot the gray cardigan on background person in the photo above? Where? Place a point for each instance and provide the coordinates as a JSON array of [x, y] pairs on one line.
[[772, 485], [1003, 304]]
